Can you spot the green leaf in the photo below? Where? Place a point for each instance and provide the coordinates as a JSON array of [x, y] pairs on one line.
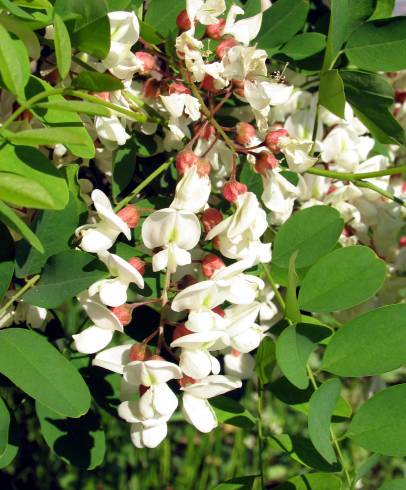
[[45, 136], [96, 82], [124, 163], [380, 424], [265, 360], [10, 219], [313, 231], [65, 275], [331, 92], [41, 371], [40, 183], [15, 10], [304, 45], [22, 31], [398, 484], [370, 344], [63, 49], [6, 259], [321, 408], [346, 17], [88, 25], [82, 107], [379, 45], [301, 450], [238, 483], [383, 9], [54, 229], [293, 348], [371, 97], [13, 444], [312, 481], [354, 275], [79, 442], [162, 19], [4, 426], [14, 63], [292, 307], [149, 34], [281, 22], [231, 412], [251, 179]]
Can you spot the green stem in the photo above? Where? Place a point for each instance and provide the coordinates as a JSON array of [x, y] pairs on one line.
[[28, 285], [388, 195], [273, 285], [260, 405], [144, 184], [349, 176]]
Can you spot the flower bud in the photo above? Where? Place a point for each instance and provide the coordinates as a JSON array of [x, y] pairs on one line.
[[208, 84], [154, 357], [186, 281], [138, 352], [215, 31], [178, 88], [138, 264], [224, 46], [235, 353], [210, 218], [186, 380], [102, 95], [238, 87], [272, 140], [210, 264], [216, 242], [184, 160], [180, 331], [402, 242], [123, 313], [206, 131], [233, 189], [183, 21], [203, 167], [129, 215], [265, 161], [400, 96], [219, 311], [147, 62], [245, 132], [152, 88]]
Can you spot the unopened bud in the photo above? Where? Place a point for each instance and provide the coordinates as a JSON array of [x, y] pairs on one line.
[[210, 264], [187, 380], [210, 218], [138, 352], [180, 331], [402, 242], [206, 131], [272, 140], [183, 21], [129, 215], [219, 311], [224, 46], [123, 313], [400, 96], [245, 133], [184, 160], [208, 84], [203, 167], [215, 31], [138, 264], [102, 95], [178, 88], [265, 161], [233, 189], [186, 281], [216, 242], [238, 87], [152, 88], [147, 62]]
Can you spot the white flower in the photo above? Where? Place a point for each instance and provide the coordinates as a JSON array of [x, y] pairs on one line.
[[196, 409], [192, 191], [278, 196], [204, 11], [113, 292], [113, 359], [111, 129], [177, 104], [297, 154], [124, 27], [239, 365], [204, 320], [244, 30], [151, 372], [101, 236], [220, 157], [33, 316], [175, 231]]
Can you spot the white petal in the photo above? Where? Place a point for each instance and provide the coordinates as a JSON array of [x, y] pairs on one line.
[[101, 316], [129, 411], [241, 366], [248, 340], [121, 268], [113, 292], [153, 436], [160, 260], [113, 359], [197, 340], [97, 239], [136, 435], [92, 339], [164, 400], [212, 386], [199, 413], [151, 372], [195, 363]]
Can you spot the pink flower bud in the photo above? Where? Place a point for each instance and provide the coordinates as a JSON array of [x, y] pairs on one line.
[[152, 88], [129, 215], [210, 264], [138, 352], [265, 161], [272, 140], [183, 21], [102, 95], [184, 160], [178, 88], [235, 353], [186, 281], [245, 133], [180, 331], [210, 218], [203, 167], [238, 87], [206, 133], [137, 264], [147, 60], [208, 84], [219, 311], [402, 242], [224, 46], [233, 189], [123, 313], [215, 31]]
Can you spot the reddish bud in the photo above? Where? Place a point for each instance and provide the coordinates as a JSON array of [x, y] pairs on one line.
[[245, 132], [272, 140], [103, 96], [235, 353], [210, 218], [138, 352], [215, 31], [233, 189], [216, 242], [265, 161], [123, 313], [219, 311], [206, 131], [152, 88], [400, 96], [238, 87], [210, 264], [178, 88], [26, 115], [203, 167], [224, 46], [208, 84], [143, 389], [402, 242], [147, 60], [180, 331], [186, 380], [186, 281], [154, 357], [137, 264], [183, 21], [184, 160], [129, 215]]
